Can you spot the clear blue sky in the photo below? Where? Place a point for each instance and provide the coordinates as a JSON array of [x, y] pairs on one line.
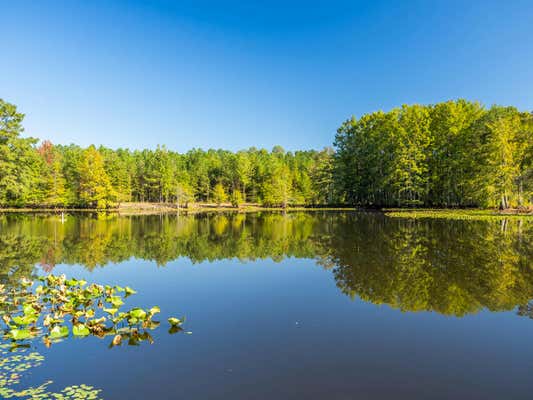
[[235, 74]]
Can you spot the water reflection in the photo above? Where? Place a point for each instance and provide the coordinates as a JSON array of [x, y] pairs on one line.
[[447, 266]]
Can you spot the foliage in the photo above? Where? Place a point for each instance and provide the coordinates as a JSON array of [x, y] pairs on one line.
[[219, 194], [56, 308], [59, 306], [14, 363], [95, 189], [20, 164], [236, 198], [455, 153], [71, 176], [450, 154]]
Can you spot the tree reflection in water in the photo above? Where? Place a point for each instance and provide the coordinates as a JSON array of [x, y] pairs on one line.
[[453, 267]]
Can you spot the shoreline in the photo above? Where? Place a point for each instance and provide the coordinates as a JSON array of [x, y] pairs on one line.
[[156, 208]]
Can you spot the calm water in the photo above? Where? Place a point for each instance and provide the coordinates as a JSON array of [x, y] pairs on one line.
[[300, 306]]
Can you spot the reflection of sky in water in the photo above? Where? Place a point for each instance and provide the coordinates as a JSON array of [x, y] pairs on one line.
[[268, 329]]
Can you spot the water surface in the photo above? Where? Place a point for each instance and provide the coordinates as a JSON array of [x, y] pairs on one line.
[[335, 305]]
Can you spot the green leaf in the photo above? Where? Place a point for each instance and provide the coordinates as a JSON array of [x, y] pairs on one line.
[[28, 309], [138, 313], [116, 301], [58, 332], [129, 291], [154, 310], [80, 330], [174, 321], [111, 311], [20, 334], [25, 320]]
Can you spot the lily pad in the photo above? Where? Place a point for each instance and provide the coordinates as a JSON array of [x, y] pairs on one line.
[[80, 330], [174, 321], [20, 334], [58, 332]]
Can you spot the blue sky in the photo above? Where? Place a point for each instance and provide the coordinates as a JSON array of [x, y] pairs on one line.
[[229, 74]]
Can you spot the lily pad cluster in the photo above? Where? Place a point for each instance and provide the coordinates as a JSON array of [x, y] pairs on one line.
[[54, 307], [14, 363]]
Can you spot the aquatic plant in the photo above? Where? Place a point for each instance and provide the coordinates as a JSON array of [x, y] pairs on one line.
[[53, 308], [14, 364], [58, 307], [455, 214]]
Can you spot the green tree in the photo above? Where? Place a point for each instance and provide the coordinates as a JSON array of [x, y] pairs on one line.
[[504, 158], [219, 194], [54, 181], [236, 198], [277, 189], [95, 188], [20, 165]]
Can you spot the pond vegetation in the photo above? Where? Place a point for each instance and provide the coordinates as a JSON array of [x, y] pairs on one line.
[[58, 307], [53, 308]]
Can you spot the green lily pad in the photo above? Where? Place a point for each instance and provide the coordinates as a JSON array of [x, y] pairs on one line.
[[25, 319], [58, 332], [174, 321], [20, 334], [138, 313], [28, 309], [129, 291], [116, 301], [80, 330]]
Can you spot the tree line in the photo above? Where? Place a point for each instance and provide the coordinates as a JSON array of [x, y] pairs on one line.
[[44, 174], [455, 153]]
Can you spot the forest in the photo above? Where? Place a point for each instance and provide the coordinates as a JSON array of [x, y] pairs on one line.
[[451, 154]]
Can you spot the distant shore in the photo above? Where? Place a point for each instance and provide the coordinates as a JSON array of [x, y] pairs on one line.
[[138, 208]]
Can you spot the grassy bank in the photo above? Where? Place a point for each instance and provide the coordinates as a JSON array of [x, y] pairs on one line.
[[158, 208], [194, 208], [464, 214]]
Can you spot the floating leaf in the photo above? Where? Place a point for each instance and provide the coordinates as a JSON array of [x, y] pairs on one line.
[[58, 332], [174, 321], [28, 309], [80, 330], [138, 313], [129, 291], [20, 334], [116, 301], [25, 319], [117, 340]]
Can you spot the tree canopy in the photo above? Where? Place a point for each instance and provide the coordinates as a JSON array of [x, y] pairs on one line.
[[455, 153]]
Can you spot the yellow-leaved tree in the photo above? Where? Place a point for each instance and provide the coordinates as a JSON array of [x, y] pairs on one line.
[[95, 189]]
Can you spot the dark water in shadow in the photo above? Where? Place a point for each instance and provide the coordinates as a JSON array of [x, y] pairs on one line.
[[318, 305]]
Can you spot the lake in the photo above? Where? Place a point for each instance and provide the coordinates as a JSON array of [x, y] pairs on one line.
[[317, 305]]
